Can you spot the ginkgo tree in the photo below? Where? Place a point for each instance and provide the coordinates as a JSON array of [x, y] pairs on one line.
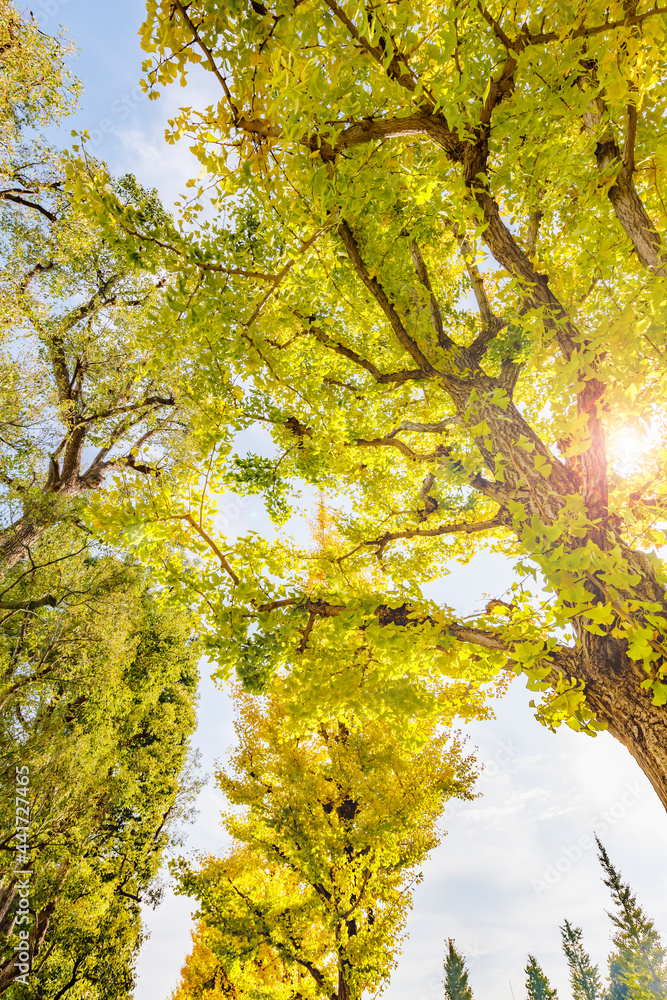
[[91, 397], [461, 303], [330, 828]]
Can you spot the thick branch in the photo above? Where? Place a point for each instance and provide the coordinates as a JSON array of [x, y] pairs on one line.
[[114, 411], [443, 529], [628, 206], [19, 200], [436, 316], [360, 133], [378, 292], [42, 602], [544, 37], [526, 37], [391, 442], [347, 352], [439, 428]]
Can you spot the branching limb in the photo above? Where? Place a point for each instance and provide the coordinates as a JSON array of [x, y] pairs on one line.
[[282, 273], [544, 37], [437, 428], [61, 375], [35, 270], [630, 138], [444, 340], [444, 529], [478, 636], [526, 37], [397, 69], [562, 659], [150, 401], [20, 199], [211, 544], [236, 271], [534, 222], [209, 56], [94, 303], [42, 602], [491, 324], [378, 292], [346, 352], [391, 442], [623, 195]]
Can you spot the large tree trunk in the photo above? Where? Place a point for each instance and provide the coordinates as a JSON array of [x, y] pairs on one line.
[[16, 541], [343, 992], [613, 692], [613, 679]]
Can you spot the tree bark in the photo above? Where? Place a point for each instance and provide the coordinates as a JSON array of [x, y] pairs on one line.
[[343, 992], [612, 682], [17, 540]]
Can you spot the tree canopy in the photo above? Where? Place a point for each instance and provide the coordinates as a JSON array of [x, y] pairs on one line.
[[456, 313], [329, 829], [425, 253], [91, 400], [98, 690]]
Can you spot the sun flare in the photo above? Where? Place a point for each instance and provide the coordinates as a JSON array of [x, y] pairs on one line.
[[628, 447]]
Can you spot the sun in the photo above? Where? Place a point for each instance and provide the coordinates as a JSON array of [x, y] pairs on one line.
[[629, 447]]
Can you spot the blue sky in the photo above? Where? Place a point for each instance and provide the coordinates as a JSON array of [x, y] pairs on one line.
[[517, 860]]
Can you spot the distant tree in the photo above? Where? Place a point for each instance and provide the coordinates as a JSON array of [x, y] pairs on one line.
[[618, 989], [638, 966], [89, 404], [333, 827], [584, 976], [537, 984], [456, 975], [97, 692]]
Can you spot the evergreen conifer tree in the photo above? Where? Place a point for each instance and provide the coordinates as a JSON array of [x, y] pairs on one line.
[[537, 984], [638, 966], [584, 976], [456, 975], [618, 988]]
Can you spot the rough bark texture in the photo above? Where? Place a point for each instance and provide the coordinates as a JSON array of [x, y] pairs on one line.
[[9, 971], [343, 992], [17, 540], [623, 195], [612, 689]]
